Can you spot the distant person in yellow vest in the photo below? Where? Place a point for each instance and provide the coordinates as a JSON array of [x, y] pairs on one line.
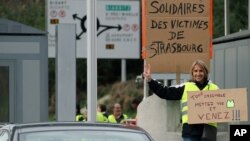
[[199, 82], [79, 115], [103, 110], [99, 116], [117, 116]]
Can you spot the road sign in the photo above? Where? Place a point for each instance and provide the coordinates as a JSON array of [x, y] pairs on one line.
[[118, 26]]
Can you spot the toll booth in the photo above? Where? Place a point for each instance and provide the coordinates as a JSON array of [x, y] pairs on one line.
[[23, 73]]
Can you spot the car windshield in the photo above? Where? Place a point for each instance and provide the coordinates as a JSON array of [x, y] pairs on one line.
[[83, 136]]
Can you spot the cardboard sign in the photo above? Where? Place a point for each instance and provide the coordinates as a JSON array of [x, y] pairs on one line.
[[225, 105], [176, 33]]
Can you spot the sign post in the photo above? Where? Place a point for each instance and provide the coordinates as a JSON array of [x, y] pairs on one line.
[[91, 62]]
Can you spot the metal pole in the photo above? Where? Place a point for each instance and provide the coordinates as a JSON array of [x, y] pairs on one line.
[[91, 61], [145, 89], [123, 71], [248, 14], [226, 17]]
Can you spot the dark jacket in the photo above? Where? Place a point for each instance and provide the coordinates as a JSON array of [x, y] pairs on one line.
[[175, 93]]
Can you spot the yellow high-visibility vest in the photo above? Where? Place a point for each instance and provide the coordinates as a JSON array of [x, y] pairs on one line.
[[111, 118], [79, 118], [100, 117]]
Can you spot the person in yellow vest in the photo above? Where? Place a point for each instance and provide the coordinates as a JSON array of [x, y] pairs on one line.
[[79, 115], [199, 82], [117, 116], [84, 117], [103, 109], [100, 117]]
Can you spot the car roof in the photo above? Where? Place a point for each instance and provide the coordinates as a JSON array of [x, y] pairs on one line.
[[85, 125], [16, 128], [50, 126]]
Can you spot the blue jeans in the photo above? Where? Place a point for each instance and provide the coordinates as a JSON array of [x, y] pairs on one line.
[[191, 139]]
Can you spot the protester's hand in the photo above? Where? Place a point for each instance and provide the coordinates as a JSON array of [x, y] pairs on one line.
[[147, 73]]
